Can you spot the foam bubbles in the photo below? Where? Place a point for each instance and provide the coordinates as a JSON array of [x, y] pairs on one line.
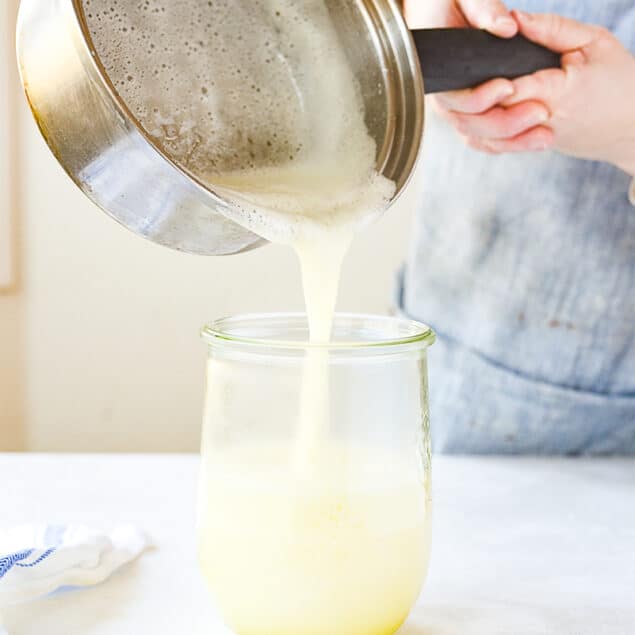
[[254, 97]]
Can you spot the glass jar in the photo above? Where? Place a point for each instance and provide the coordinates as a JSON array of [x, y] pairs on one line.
[[314, 498]]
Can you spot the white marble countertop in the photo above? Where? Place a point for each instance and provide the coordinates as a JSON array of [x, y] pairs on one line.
[[521, 546]]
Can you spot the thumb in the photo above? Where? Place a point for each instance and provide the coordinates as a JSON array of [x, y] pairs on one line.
[[555, 32], [491, 15]]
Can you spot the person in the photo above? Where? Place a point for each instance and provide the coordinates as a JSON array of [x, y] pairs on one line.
[[524, 251]]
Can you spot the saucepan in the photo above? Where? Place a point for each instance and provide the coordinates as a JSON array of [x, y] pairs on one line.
[[120, 166]]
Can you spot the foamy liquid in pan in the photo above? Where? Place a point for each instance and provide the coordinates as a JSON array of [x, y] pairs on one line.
[[255, 98]]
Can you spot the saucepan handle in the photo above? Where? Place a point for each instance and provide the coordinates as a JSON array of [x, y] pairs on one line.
[[452, 59]]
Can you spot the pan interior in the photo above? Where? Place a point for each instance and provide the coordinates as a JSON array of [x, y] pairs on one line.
[[267, 103]]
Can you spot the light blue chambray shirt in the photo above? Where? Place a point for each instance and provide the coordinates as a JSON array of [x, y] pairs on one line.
[[525, 266]]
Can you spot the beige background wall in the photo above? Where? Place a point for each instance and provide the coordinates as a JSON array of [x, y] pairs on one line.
[[11, 349], [99, 347]]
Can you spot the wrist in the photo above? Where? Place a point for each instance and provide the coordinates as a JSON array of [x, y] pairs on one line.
[[629, 168], [625, 160], [627, 164]]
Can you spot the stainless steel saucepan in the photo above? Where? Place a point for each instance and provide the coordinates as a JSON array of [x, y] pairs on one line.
[[93, 133]]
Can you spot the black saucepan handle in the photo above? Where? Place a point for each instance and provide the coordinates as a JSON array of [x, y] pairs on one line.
[[452, 59]]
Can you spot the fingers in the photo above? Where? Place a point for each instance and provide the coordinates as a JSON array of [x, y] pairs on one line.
[[437, 14], [537, 139], [479, 116], [575, 58], [479, 99], [491, 15], [545, 86], [494, 123], [501, 123], [556, 32]]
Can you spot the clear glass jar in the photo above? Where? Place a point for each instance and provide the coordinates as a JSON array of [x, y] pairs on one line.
[[314, 497]]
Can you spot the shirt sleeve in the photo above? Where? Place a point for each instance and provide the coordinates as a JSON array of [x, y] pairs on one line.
[[631, 193]]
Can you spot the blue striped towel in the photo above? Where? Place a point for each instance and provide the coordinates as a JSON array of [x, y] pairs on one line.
[[39, 560]]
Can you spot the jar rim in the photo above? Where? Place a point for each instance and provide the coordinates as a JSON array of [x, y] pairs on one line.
[[243, 330]]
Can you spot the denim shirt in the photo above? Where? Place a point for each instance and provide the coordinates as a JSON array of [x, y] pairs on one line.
[[525, 266]]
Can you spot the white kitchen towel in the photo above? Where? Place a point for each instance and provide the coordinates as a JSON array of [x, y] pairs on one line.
[[37, 560]]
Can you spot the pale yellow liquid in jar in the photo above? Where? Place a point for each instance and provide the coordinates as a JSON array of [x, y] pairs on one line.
[[340, 555], [311, 538]]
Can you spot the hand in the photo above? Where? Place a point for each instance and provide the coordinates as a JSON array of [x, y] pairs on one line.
[[491, 15], [585, 109], [590, 100]]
